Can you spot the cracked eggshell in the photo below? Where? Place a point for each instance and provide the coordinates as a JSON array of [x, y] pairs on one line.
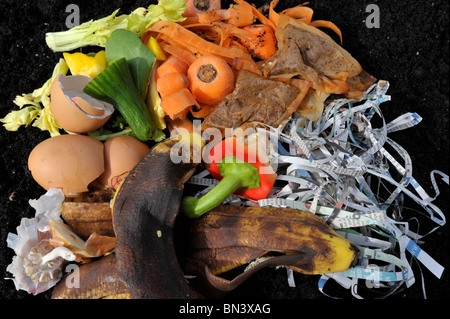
[[121, 154], [68, 162], [74, 110]]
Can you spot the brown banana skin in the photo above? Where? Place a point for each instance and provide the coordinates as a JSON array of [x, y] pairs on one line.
[[89, 213], [229, 236], [88, 218], [144, 212], [98, 279]]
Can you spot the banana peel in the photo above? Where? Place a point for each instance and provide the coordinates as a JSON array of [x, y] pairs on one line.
[[89, 213], [145, 208], [96, 280], [228, 237]]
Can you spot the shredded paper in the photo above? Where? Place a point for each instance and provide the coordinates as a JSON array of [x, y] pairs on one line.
[[356, 178]]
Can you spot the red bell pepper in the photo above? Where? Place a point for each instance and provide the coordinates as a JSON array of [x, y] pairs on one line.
[[239, 170], [231, 146]]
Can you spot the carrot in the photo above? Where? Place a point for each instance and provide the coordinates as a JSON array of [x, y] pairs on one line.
[[263, 43], [171, 65], [195, 7], [177, 105], [169, 83], [210, 79], [197, 45]]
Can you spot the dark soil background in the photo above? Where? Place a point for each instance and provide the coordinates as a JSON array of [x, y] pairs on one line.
[[409, 49]]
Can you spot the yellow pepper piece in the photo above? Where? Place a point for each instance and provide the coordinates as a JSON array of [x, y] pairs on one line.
[[80, 63], [154, 46]]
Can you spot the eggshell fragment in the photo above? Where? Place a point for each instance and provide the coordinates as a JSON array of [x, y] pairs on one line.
[[121, 154], [69, 162], [74, 110]]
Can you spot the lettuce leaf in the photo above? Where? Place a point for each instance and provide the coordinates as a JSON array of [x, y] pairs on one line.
[[97, 32], [125, 44]]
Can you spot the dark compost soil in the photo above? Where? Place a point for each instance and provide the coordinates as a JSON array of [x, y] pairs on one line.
[[409, 49]]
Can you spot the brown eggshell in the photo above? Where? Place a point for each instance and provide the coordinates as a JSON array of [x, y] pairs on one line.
[[122, 153], [74, 110], [69, 162]]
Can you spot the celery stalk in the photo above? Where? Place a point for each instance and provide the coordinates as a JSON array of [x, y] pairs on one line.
[[96, 32], [35, 107]]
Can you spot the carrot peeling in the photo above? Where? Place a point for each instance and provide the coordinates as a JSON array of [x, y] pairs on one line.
[[177, 105], [300, 13], [273, 15], [327, 24], [261, 17], [263, 43], [171, 65], [169, 83], [179, 52], [209, 31], [241, 15], [187, 39], [257, 39]]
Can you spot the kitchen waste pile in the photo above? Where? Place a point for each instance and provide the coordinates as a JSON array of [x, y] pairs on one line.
[[319, 123]]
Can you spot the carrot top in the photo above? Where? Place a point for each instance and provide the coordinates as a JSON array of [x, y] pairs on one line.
[[210, 79]]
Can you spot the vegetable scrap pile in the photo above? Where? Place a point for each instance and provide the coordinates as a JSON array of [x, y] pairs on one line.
[[295, 102]]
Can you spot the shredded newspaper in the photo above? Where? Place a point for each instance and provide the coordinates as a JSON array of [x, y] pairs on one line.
[[338, 167]]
